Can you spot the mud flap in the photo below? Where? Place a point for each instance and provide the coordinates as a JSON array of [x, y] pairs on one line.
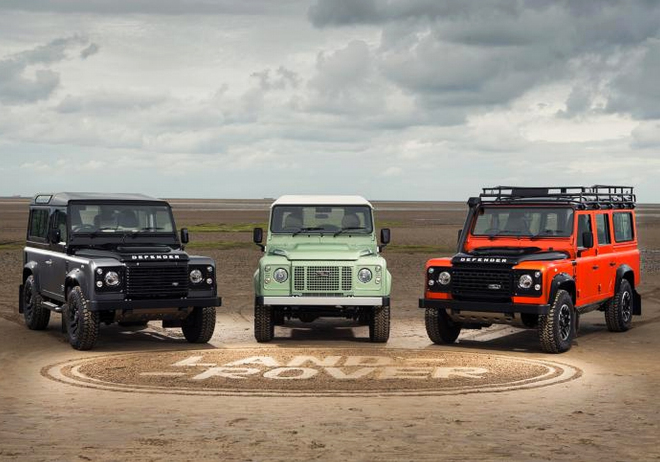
[[637, 303], [20, 298]]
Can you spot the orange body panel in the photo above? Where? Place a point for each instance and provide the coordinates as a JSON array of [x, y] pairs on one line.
[[594, 270]]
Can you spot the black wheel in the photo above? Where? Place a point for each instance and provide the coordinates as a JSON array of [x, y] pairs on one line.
[[82, 325], [618, 311], [36, 316], [379, 324], [264, 323], [557, 328], [439, 326], [198, 327]]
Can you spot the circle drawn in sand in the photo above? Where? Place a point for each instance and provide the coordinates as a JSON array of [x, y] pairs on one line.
[[310, 372]]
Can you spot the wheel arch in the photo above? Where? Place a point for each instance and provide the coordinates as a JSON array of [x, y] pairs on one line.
[[563, 281], [627, 273], [73, 279]]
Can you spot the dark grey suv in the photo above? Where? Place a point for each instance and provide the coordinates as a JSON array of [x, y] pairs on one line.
[[113, 258]]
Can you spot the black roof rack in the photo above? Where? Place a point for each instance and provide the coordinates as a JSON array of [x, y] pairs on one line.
[[595, 197]]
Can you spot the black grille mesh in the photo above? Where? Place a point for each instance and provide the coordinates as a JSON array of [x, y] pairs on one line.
[[156, 281], [481, 282]]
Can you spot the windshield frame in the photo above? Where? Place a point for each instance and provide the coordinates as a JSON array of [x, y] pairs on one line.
[[568, 229], [367, 231], [100, 232]]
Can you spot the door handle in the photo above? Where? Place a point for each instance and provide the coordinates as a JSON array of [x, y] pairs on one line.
[[595, 267], [49, 262], [612, 263]]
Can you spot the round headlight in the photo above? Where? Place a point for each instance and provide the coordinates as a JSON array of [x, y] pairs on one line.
[[525, 281], [444, 278], [280, 275], [196, 276], [364, 275], [111, 278]]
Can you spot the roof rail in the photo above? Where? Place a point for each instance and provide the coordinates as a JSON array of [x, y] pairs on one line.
[[595, 197]]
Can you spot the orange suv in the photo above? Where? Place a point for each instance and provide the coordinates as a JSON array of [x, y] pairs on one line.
[[538, 258]]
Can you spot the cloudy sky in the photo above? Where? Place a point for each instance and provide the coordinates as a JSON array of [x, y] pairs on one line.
[[414, 99]]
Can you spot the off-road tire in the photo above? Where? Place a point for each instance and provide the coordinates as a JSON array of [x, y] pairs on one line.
[[82, 325], [619, 310], [440, 328], [36, 316], [557, 328], [264, 323], [198, 327], [379, 324]]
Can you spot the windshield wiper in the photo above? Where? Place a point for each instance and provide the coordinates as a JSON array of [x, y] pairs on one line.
[[151, 228], [349, 228], [302, 230]]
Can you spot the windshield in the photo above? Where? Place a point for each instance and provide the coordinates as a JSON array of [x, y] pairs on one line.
[[120, 218], [524, 222], [321, 219]]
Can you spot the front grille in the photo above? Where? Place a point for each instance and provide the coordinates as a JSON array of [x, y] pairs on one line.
[[156, 281], [346, 278], [323, 279], [299, 278], [481, 283]]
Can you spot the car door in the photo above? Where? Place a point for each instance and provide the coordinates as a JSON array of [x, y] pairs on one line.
[[56, 263], [586, 279], [605, 259]]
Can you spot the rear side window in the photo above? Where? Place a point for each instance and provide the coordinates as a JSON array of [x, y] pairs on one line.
[[38, 224], [623, 226], [603, 229]]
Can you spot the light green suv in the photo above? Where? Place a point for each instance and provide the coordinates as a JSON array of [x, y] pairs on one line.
[[322, 259]]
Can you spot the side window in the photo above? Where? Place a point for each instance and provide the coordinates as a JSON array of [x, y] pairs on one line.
[[38, 224], [59, 222], [603, 229], [623, 226], [584, 226]]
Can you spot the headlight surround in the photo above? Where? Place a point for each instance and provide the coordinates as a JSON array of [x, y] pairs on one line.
[[112, 279], [365, 275], [526, 281], [109, 279], [444, 278], [280, 275], [196, 276]]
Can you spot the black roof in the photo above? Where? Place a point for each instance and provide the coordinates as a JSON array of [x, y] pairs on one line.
[[63, 198], [596, 197]]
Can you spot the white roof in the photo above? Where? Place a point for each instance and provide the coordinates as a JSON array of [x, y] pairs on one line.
[[321, 200]]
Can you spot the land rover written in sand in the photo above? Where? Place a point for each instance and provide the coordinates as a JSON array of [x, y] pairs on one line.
[[538, 258], [113, 258], [322, 259]]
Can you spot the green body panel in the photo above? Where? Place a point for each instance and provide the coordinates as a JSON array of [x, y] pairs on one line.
[[340, 258]]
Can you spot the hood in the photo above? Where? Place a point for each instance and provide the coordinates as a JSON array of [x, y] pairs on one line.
[[308, 252], [128, 254], [506, 256]]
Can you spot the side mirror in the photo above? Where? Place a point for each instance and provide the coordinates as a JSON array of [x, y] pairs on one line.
[[185, 237], [587, 240], [384, 238], [258, 237], [55, 236]]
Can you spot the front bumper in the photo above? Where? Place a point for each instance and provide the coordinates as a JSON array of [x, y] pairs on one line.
[[323, 301], [102, 305], [459, 306]]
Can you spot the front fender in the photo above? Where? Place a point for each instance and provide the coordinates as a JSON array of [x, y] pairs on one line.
[[255, 281], [76, 277]]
